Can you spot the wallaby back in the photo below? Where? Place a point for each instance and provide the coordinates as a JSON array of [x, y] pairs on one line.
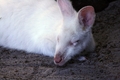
[[29, 25]]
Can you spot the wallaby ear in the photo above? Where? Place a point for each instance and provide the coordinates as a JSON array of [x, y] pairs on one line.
[[86, 17], [66, 8]]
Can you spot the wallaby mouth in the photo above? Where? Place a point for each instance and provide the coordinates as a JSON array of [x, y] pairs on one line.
[[59, 60], [61, 63]]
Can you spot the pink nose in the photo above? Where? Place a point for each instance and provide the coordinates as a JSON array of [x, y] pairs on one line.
[[57, 58]]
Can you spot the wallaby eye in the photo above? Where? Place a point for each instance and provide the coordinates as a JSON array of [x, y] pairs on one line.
[[74, 43]]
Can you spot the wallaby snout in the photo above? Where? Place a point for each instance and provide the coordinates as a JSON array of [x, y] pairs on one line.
[[57, 58]]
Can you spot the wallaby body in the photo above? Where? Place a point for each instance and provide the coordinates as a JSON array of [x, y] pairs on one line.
[[27, 25], [46, 27]]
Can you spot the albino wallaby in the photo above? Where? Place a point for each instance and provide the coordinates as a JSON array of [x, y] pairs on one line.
[[46, 27]]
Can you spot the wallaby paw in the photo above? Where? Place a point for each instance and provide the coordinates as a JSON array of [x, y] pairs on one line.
[[82, 58]]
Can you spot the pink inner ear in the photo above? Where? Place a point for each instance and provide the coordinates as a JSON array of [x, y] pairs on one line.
[[88, 16], [66, 7]]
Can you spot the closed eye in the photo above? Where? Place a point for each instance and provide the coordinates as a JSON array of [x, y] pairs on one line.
[[74, 43]]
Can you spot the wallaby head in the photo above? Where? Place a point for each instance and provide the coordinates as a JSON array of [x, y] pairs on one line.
[[74, 33]]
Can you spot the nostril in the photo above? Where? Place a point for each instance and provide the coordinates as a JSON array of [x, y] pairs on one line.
[[58, 59]]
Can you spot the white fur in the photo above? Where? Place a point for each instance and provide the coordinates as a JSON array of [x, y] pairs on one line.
[[29, 25], [34, 25]]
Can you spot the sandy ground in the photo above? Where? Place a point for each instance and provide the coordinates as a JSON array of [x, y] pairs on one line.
[[104, 64]]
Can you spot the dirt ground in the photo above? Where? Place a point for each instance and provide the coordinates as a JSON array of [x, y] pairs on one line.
[[104, 64]]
